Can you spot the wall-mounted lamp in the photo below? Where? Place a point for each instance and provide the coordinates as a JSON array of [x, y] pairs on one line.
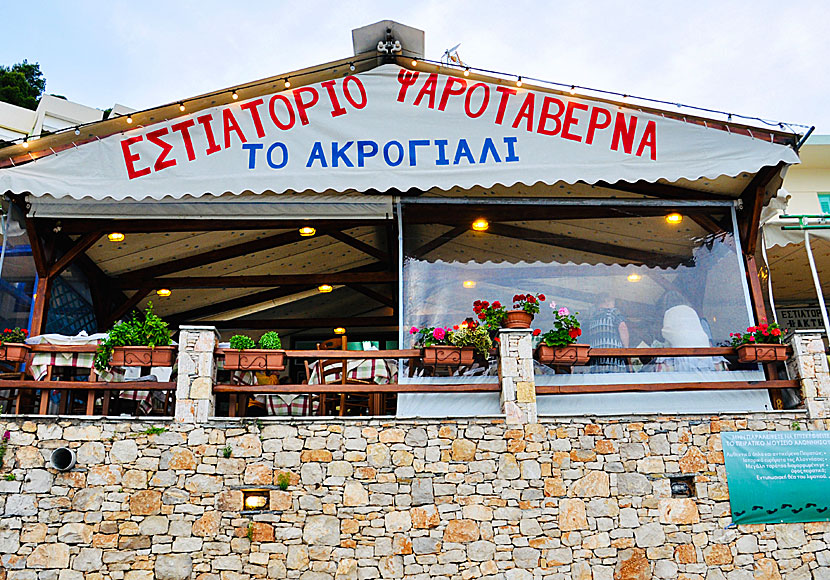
[[254, 499]]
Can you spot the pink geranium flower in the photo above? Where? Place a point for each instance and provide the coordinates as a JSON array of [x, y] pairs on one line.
[[439, 333], [413, 330], [564, 311]]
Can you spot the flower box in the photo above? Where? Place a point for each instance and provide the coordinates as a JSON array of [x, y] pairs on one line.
[[254, 359], [441, 355], [748, 353], [518, 319], [572, 354], [13, 352], [143, 356]]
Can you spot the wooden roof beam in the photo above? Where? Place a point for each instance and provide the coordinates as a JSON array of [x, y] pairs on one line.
[[259, 281]]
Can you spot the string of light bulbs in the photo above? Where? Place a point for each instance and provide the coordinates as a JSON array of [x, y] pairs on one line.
[[465, 71]]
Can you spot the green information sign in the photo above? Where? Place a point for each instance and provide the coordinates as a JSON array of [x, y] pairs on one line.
[[778, 476]]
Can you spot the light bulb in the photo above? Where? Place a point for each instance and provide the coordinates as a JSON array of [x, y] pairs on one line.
[[116, 237], [163, 292], [77, 131], [235, 95], [351, 66], [181, 107], [573, 90], [481, 225], [129, 119], [467, 72], [325, 288], [306, 231], [339, 330], [25, 144], [634, 277], [414, 62], [469, 284], [287, 84], [674, 218], [519, 82]]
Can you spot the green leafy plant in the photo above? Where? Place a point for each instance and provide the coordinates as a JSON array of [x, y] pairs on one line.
[[16, 335], [474, 336], [762, 334], [227, 451], [4, 445], [150, 331], [242, 342], [565, 329], [154, 430], [9, 477], [250, 533], [270, 341], [283, 480]]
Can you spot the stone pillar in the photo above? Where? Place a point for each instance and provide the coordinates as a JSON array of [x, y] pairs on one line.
[[195, 401], [809, 365], [518, 387]]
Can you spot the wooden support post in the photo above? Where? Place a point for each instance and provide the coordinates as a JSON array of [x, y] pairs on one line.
[[39, 312], [760, 309]]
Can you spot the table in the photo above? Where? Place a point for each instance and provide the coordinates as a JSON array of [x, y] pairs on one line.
[[378, 371]]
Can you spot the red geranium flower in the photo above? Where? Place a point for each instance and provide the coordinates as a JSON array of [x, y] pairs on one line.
[[542, 297], [481, 316], [496, 304], [536, 332]]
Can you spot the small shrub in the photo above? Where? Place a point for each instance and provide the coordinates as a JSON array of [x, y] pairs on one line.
[[283, 480], [154, 430], [250, 533], [227, 451], [242, 342], [151, 331], [9, 477], [270, 341]]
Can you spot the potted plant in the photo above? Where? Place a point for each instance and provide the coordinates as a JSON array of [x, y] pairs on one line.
[[437, 350], [12, 347], [492, 316], [524, 307], [558, 345], [472, 335], [242, 355], [137, 343], [761, 343]]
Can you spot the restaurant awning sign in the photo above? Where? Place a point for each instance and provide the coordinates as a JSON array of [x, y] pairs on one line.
[[778, 476], [800, 318], [393, 128]]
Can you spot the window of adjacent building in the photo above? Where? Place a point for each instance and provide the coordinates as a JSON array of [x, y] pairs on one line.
[[824, 200]]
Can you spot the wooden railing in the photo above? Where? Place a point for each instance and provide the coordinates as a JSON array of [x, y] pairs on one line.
[[25, 384]]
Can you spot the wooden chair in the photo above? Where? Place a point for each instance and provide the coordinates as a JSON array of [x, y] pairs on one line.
[[334, 371]]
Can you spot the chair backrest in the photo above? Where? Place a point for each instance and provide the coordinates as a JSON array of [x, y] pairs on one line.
[[336, 343]]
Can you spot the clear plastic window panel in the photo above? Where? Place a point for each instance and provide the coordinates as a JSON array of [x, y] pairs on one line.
[[635, 279]]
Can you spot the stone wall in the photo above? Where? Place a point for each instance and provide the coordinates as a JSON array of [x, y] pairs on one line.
[[582, 498]]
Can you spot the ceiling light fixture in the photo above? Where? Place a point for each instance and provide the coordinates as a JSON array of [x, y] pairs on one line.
[[306, 231], [351, 66], [181, 107], [469, 284], [414, 62], [674, 218], [116, 237], [481, 225], [287, 84], [339, 330], [519, 82], [129, 119], [235, 95], [467, 72], [325, 288], [634, 277], [164, 292]]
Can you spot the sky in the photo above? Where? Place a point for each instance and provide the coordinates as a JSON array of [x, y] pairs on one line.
[[758, 58]]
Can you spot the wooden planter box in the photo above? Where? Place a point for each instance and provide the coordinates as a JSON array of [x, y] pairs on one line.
[[143, 356], [14, 352], [448, 355], [748, 353], [518, 319], [254, 359], [573, 354]]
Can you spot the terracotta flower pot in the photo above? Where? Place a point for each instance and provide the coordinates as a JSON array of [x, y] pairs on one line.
[[254, 359], [14, 351], [572, 354], [143, 356], [518, 319], [748, 353], [443, 355]]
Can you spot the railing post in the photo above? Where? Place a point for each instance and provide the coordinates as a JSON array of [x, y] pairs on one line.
[[195, 401], [518, 387], [809, 365]]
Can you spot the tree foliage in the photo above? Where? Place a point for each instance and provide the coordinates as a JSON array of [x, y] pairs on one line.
[[22, 84]]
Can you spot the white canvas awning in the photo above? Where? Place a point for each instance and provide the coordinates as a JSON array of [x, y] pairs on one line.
[[392, 128]]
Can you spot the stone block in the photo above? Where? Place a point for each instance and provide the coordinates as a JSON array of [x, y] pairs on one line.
[[173, 567], [679, 511]]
